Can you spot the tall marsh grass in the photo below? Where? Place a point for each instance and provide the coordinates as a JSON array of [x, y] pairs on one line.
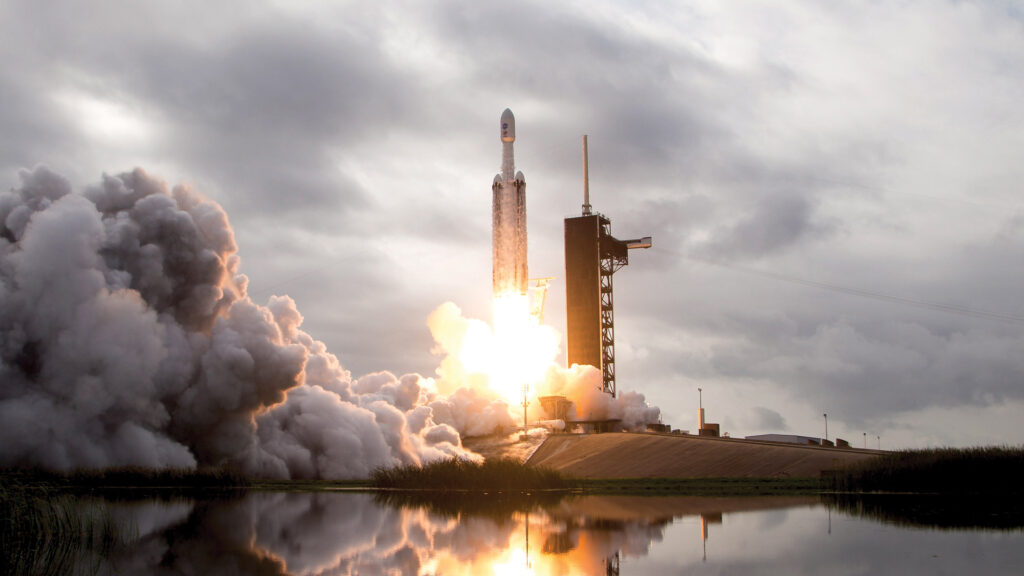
[[44, 533], [53, 523], [983, 470], [455, 474]]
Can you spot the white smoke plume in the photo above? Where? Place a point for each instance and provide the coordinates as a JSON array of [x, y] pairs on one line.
[[582, 385], [127, 338]]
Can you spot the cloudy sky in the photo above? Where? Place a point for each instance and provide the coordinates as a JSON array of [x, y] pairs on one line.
[[833, 188]]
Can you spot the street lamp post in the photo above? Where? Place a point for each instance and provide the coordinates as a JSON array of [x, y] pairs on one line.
[[700, 410], [526, 402], [826, 426], [865, 440]]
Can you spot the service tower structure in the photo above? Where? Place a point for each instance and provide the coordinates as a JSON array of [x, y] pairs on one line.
[[592, 255], [510, 274]]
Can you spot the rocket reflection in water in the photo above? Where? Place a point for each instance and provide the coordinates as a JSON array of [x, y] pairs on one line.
[[510, 274]]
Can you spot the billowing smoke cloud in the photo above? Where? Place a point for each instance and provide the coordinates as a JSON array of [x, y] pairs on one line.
[[127, 338], [582, 385]]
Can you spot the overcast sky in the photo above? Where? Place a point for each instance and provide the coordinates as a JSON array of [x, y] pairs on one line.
[[833, 188]]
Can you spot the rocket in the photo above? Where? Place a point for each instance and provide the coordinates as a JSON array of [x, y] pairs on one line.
[[509, 215]]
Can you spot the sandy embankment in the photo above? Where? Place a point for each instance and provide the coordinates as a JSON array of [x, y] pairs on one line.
[[622, 455]]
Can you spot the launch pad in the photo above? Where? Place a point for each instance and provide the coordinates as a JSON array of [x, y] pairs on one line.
[[592, 256]]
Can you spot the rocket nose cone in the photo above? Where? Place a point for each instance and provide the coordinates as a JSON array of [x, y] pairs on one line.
[[508, 126]]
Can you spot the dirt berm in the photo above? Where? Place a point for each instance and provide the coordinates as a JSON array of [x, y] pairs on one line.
[[623, 455]]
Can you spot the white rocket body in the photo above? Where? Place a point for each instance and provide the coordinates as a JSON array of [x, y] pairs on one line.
[[510, 273]]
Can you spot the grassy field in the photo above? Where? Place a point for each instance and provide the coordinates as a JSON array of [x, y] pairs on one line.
[[455, 474], [934, 471], [494, 476], [505, 475]]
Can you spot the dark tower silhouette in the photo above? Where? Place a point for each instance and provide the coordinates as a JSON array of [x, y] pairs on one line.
[[592, 256]]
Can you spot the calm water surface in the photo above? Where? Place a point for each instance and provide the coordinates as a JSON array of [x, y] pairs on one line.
[[359, 533]]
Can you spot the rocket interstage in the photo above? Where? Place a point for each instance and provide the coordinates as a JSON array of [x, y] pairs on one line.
[[510, 274]]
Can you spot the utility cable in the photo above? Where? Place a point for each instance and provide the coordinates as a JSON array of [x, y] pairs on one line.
[[871, 294]]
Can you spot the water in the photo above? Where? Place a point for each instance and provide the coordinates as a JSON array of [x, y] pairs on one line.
[[363, 533]]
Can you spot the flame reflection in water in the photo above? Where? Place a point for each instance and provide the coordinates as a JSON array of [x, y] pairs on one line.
[[358, 533]]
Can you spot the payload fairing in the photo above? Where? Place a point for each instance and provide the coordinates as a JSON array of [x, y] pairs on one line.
[[510, 273]]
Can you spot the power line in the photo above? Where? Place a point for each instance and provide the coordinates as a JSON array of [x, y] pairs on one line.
[[1002, 206], [871, 294]]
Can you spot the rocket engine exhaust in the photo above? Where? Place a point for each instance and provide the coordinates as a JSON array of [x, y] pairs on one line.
[[510, 274]]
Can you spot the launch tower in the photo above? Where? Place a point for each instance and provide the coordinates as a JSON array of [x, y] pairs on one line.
[[592, 256]]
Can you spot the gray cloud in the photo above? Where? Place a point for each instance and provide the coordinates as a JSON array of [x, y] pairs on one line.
[[776, 222], [779, 140], [128, 339], [767, 419]]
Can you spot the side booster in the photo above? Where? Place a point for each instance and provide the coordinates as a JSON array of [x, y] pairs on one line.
[[510, 273]]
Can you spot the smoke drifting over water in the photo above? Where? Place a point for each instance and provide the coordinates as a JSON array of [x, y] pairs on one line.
[[127, 338]]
